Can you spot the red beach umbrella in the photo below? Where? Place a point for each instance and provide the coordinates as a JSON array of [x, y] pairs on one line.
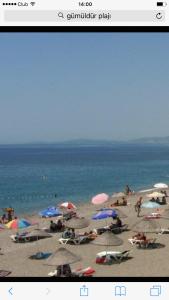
[[68, 205]]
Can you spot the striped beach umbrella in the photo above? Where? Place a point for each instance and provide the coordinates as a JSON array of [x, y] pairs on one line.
[[18, 224], [68, 205]]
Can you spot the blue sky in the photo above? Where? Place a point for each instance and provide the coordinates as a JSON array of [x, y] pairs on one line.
[[59, 86]]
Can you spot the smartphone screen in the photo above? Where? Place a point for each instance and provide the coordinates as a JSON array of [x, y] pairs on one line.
[[84, 150]]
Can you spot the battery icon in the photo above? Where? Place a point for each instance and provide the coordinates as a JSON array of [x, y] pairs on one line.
[[162, 4]]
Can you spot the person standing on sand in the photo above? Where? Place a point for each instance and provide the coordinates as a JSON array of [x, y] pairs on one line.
[[127, 190], [138, 206]]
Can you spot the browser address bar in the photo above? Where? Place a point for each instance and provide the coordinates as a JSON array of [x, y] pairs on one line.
[[84, 16]]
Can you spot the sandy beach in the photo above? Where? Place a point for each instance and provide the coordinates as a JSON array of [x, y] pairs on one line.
[[143, 262]]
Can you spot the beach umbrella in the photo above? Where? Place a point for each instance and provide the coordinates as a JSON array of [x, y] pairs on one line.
[[104, 214], [100, 199], [62, 257], [68, 205], [146, 226], [107, 239], [50, 212], [161, 185], [18, 224], [155, 195], [150, 204], [77, 223], [117, 211], [38, 233]]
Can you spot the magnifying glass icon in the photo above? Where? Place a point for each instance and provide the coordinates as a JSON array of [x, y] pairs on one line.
[[60, 15]]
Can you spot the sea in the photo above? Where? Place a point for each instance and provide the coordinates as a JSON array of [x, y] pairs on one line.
[[35, 177]]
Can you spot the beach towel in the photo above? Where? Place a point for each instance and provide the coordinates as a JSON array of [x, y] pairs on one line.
[[40, 255], [4, 273]]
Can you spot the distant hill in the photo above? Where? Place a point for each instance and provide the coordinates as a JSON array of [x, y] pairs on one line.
[[92, 143], [151, 140]]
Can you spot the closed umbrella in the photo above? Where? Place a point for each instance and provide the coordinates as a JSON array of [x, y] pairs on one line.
[[77, 223]]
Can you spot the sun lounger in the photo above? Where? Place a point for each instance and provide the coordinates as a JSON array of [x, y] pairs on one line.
[[163, 230], [143, 243], [76, 241], [153, 216], [109, 256], [19, 238], [120, 229], [115, 229]]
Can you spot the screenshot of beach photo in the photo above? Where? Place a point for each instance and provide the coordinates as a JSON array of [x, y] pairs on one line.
[[84, 155]]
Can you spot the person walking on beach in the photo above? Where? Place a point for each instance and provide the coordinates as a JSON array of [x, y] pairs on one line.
[[138, 206], [128, 190]]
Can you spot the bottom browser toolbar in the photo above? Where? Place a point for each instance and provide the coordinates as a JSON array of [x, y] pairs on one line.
[[87, 290]]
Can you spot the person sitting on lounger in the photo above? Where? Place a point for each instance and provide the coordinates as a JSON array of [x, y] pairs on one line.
[[66, 234], [64, 270], [91, 234], [59, 225], [72, 234], [53, 226], [116, 203], [163, 201], [157, 200], [118, 222], [124, 201]]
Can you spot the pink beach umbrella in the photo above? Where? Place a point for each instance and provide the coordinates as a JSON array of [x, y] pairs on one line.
[[68, 205], [100, 198]]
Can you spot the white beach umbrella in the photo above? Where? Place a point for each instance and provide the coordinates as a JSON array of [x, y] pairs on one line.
[[161, 185]]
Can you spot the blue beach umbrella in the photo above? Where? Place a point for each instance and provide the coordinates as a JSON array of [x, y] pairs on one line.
[[104, 214], [150, 204], [50, 212]]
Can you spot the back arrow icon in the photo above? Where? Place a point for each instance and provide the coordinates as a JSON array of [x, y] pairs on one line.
[[10, 291]]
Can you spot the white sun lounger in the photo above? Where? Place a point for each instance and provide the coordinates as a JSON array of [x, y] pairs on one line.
[[116, 255], [77, 241], [163, 230], [142, 243]]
